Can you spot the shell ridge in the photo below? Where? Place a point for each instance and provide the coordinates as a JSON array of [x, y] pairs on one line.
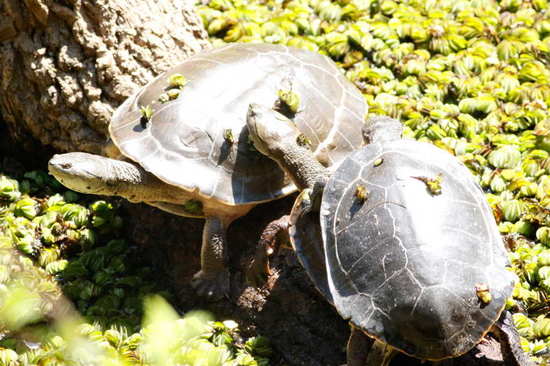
[[336, 210], [419, 295], [335, 125], [338, 300]]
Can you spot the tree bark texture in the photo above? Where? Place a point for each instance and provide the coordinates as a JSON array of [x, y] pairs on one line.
[[67, 64]]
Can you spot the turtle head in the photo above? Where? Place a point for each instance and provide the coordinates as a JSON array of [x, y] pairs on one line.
[[270, 131], [83, 172], [278, 138], [381, 128]]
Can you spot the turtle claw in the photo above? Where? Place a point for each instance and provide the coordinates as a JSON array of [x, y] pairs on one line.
[[212, 286]]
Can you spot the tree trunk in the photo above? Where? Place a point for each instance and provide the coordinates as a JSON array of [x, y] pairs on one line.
[[67, 64]]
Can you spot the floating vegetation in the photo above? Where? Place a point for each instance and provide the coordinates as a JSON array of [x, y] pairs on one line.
[[470, 76], [78, 245]]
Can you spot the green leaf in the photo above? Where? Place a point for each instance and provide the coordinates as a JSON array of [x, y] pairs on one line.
[[505, 157], [541, 328], [27, 207]]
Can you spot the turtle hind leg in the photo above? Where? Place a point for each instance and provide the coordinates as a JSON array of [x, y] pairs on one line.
[[212, 281], [363, 350], [269, 242], [508, 337]]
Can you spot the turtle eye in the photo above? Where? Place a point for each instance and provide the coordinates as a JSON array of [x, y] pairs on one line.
[[66, 165]]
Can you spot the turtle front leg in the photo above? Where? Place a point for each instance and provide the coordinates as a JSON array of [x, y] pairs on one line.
[[212, 280], [268, 244]]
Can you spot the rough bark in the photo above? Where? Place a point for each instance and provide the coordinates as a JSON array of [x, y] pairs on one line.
[[67, 64]]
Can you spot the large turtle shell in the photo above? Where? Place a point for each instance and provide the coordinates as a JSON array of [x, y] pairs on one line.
[[403, 264], [185, 143]]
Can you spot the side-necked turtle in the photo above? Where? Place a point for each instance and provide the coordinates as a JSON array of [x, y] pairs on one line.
[[410, 254], [188, 153]]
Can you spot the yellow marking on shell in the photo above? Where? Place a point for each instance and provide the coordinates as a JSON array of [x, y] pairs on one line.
[[361, 193], [302, 140], [483, 293], [173, 94], [228, 136], [432, 184], [163, 98], [146, 114], [378, 162], [290, 99], [305, 196], [177, 81], [146, 111]]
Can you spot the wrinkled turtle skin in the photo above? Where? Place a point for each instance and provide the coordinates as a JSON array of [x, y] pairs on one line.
[[404, 263]]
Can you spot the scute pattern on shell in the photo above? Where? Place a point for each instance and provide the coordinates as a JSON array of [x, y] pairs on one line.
[[183, 142], [403, 265]]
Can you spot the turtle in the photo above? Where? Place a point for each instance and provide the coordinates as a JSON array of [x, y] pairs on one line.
[[399, 239], [180, 142]]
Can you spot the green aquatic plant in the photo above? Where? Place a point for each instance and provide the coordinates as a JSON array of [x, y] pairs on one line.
[[72, 291]]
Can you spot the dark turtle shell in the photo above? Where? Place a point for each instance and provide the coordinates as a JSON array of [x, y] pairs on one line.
[[307, 242], [198, 142], [413, 252]]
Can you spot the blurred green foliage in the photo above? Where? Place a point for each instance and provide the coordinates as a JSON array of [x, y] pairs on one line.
[[58, 247]]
